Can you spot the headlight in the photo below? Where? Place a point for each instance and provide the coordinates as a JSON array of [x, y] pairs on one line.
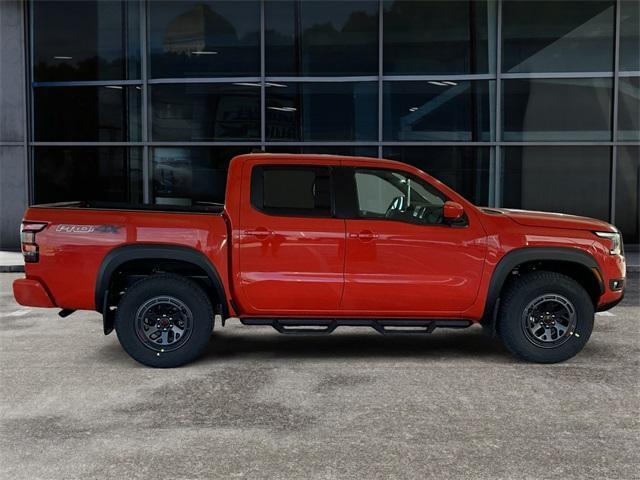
[[616, 241]]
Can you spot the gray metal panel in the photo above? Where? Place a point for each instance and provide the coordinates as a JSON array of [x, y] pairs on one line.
[[146, 163], [12, 195], [87, 83], [420, 78], [263, 101], [164, 81], [12, 98], [13, 123], [497, 184], [616, 84], [380, 73], [559, 75]]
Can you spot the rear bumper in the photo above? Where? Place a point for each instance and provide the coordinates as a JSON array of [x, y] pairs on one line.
[[31, 293]]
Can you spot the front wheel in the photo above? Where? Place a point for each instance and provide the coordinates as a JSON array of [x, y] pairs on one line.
[[545, 317], [164, 321]]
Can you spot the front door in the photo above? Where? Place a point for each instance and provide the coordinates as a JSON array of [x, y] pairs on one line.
[[291, 248], [402, 258]]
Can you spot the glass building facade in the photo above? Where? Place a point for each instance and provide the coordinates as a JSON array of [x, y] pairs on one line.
[[530, 104]]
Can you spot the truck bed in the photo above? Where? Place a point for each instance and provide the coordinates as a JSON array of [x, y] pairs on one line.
[[79, 235]]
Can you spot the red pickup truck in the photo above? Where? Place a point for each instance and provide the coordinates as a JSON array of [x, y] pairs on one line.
[[307, 243]]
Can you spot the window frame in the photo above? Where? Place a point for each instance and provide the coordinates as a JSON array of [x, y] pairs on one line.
[[256, 192]]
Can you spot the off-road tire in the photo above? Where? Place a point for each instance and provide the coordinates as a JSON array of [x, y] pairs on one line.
[[184, 292], [512, 326]]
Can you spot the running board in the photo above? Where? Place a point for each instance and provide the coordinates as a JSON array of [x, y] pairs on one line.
[[322, 326]]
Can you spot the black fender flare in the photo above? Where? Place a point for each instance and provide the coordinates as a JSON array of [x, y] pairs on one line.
[[522, 255], [120, 255]]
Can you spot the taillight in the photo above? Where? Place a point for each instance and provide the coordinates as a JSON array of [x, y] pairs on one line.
[[28, 240]]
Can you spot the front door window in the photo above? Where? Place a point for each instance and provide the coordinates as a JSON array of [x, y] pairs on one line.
[[393, 195]]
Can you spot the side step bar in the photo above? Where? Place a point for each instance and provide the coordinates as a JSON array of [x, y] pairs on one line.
[[320, 326]]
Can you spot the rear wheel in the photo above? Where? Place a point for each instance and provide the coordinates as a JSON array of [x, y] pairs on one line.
[[164, 321], [545, 317]]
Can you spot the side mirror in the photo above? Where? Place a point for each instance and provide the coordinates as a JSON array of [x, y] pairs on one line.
[[452, 211]]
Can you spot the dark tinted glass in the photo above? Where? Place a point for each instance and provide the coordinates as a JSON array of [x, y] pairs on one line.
[[326, 150], [467, 170], [291, 190], [295, 189], [185, 175], [323, 111], [194, 39], [630, 35], [88, 40], [205, 112], [322, 37], [109, 174], [629, 108], [557, 109], [108, 113], [437, 110], [628, 192], [448, 37], [557, 35], [555, 179]]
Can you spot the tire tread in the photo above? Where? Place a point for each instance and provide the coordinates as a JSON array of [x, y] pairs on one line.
[[134, 348], [513, 301]]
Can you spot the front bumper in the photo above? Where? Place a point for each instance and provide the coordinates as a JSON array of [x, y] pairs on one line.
[[31, 293], [610, 305]]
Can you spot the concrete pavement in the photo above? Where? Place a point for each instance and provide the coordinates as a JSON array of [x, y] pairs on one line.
[[352, 405], [11, 262]]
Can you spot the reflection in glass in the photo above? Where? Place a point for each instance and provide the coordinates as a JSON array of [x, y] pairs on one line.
[[107, 174], [555, 179], [322, 111], [557, 35], [205, 112], [394, 195], [437, 110], [630, 35], [186, 175], [629, 108], [205, 38], [322, 37], [557, 109], [444, 37], [628, 193], [467, 170], [108, 113], [359, 151], [89, 40]]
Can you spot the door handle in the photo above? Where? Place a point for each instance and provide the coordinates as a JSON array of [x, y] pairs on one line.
[[261, 233], [364, 235]]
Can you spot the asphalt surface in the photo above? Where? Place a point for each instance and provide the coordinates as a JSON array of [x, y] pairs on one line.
[[352, 405]]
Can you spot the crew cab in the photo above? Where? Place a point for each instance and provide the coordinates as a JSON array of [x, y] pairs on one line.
[[309, 243]]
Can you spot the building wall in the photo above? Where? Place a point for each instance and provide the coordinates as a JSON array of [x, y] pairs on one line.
[[13, 150], [518, 103]]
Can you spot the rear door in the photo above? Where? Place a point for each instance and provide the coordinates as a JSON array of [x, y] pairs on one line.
[[402, 258], [292, 248]]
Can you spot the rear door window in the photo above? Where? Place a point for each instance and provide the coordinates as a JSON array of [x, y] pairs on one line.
[[292, 190]]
